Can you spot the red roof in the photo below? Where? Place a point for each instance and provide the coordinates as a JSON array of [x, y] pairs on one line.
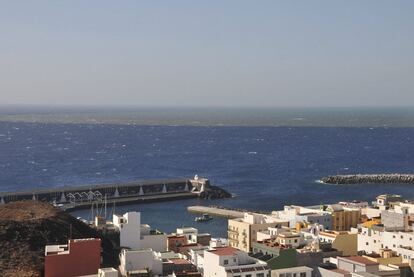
[[188, 274], [224, 251], [359, 259]]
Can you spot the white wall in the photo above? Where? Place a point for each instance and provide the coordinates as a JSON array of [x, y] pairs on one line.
[[155, 242], [370, 240], [214, 264], [139, 259], [297, 270], [129, 226], [371, 212]]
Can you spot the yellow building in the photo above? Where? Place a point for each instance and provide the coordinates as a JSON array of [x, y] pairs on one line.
[[386, 257], [243, 231], [371, 222], [346, 242], [344, 218]]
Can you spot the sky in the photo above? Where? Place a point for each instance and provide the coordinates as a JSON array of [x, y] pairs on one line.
[[207, 53]]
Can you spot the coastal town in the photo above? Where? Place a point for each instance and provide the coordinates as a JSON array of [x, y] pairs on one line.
[[207, 138], [343, 239]]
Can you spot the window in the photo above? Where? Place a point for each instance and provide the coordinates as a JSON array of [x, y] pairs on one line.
[[296, 240], [294, 274], [303, 274], [260, 275], [248, 275], [366, 243], [234, 260], [226, 262]]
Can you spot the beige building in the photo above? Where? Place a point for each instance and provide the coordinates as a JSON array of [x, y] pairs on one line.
[[346, 242], [343, 218], [243, 231]]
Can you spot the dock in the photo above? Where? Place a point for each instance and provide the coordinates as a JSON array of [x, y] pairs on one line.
[[81, 197], [221, 212]]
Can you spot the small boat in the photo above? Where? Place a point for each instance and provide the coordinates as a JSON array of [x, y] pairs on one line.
[[203, 218]]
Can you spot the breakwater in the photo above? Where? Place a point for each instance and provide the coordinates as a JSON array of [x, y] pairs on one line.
[[78, 197], [370, 179], [215, 211]]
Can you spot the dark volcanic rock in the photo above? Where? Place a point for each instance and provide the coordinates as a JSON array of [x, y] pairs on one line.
[[370, 178], [214, 192], [27, 226]]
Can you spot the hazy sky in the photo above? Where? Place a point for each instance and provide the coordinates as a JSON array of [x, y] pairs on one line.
[[241, 53]]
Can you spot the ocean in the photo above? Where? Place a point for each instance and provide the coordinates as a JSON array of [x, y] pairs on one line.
[[264, 166]]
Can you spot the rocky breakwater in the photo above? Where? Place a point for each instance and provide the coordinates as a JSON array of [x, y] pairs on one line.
[[370, 179], [214, 192]]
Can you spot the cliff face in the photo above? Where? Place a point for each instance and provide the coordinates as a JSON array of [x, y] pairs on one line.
[[27, 226]]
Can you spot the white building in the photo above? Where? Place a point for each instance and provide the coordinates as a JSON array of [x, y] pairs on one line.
[[272, 233], [298, 214], [197, 253], [133, 260], [284, 236], [197, 257], [189, 232], [242, 232], [372, 240], [231, 262], [357, 266], [107, 272], [134, 235], [399, 216], [384, 200], [299, 271]]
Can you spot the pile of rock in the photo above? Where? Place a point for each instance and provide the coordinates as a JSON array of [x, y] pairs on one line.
[[214, 192], [370, 178]]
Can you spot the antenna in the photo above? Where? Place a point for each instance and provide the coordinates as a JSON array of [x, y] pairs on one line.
[[92, 212], [105, 205]]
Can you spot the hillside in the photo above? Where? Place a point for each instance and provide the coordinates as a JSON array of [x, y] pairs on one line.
[[27, 226]]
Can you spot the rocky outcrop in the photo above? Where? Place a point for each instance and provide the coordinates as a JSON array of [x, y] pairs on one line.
[[370, 178], [214, 192], [27, 226]]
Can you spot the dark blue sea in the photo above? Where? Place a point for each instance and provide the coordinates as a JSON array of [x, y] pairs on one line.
[[264, 167]]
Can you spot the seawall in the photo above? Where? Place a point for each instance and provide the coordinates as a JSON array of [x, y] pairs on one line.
[[80, 197], [394, 178]]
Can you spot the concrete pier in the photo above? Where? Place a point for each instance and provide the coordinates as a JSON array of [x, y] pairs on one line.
[[121, 193], [221, 212]]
